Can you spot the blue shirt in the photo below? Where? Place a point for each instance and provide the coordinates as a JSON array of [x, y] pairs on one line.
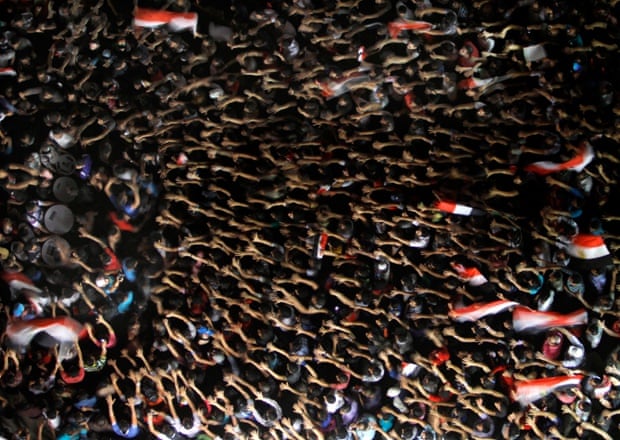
[[386, 423], [130, 274], [366, 434], [124, 306], [132, 432]]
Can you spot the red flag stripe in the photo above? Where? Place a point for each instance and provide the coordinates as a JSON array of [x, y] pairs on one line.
[[588, 247], [7, 71], [525, 319], [528, 391], [477, 311], [586, 240], [144, 17], [396, 27], [454, 208], [577, 163]]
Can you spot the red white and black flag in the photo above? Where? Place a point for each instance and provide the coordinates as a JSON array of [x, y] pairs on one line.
[[176, 21], [588, 251], [527, 320], [457, 208], [480, 310], [577, 163], [531, 390], [7, 71]]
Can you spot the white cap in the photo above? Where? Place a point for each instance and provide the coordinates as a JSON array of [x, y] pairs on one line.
[[216, 93], [575, 352], [219, 357], [101, 281], [334, 406], [409, 368], [393, 392], [297, 425]]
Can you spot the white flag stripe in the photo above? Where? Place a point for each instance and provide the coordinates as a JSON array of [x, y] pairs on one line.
[[7, 71], [176, 21], [477, 280], [587, 253], [17, 285], [180, 24], [148, 23], [462, 209]]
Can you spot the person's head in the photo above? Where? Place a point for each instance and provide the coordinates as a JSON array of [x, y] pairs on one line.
[[612, 399], [427, 434], [561, 257], [168, 431], [187, 422], [488, 382], [341, 433], [372, 370], [523, 352], [400, 334], [583, 408], [123, 424], [418, 411], [574, 283], [483, 113], [270, 414], [218, 356], [7, 226], [267, 387], [575, 353], [341, 377], [301, 386], [319, 300], [430, 383], [362, 424], [409, 432], [97, 422], [466, 51], [292, 368]]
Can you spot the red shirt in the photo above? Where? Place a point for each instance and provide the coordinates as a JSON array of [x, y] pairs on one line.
[[474, 54]]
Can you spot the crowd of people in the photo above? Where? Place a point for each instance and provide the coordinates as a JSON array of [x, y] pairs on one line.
[[310, 219]]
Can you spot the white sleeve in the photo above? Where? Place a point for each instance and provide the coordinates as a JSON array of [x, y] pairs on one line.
[[191, 432]]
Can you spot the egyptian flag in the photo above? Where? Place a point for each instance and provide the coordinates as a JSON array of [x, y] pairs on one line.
[[529, 391], [334, 89], [532, 321], [396, 27], [62, 331], [472, 275], [457, 209], [176, 21], [18, 283], [480, 310], [440, 356], [577, 163], [7, 71], [588, 251], [477, 284], [123, 225], [475, 83], [320, 244], [22, 286]]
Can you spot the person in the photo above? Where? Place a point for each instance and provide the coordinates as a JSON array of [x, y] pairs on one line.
[[75, 373], [123, 429], [188, 426], [97, 364], [290, 221], [165, 432]]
